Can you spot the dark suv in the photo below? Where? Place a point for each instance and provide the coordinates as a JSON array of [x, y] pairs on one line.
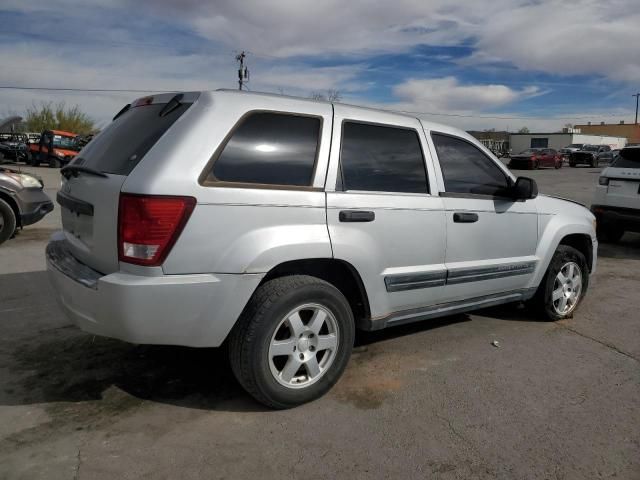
[[591, 155]]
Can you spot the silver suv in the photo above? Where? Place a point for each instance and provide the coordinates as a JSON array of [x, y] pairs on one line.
[[280, 225]]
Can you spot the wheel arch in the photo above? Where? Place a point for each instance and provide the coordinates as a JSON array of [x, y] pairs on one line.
[[581, 242], [339, 273]]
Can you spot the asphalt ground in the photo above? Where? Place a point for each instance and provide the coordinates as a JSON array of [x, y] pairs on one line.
[[429, 400]]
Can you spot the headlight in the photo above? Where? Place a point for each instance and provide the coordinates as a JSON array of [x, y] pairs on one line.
[[29, 181], [603, 181]]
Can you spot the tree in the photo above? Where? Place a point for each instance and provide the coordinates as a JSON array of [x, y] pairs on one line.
[[523, 130], [46, 116], [331, 95]]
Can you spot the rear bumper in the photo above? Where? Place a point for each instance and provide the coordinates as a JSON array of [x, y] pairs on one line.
[[627, 218], [191, 310]]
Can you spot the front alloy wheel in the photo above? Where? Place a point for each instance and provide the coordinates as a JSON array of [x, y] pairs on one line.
[[567, 289]]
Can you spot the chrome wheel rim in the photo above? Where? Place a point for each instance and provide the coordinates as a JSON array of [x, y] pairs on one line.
[[567, 288], [303, 346]]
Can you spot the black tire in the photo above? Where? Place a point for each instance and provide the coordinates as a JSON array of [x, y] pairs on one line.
[[54, 162], [251, 336], [35, 159], [543, 299], [536, 165], [7, 221], [609, 233]]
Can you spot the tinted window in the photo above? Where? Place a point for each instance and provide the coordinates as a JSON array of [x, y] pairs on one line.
[[120, 146], [627, 158], [382, 159], [466, 169], [270, 148]]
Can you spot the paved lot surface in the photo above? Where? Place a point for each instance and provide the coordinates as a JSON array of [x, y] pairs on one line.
[[433, 400]]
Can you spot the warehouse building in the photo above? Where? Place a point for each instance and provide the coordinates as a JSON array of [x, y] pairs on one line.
[[631, 131], [557, 140]]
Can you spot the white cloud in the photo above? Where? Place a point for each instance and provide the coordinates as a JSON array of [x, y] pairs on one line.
[[448, 95]]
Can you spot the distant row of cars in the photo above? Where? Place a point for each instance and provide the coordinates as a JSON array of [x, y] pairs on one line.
[[55, 148], [575, 154]]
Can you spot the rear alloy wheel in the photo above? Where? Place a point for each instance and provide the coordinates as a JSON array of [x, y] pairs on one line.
[[563, 285], [7, 221], [292, 341]]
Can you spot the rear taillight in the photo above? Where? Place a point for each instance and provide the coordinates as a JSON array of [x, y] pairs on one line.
[[149, 225]]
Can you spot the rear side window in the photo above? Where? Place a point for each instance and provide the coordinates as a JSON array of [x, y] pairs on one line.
[[382, 159], [628, 158], [270, 148], [466, 169], [121, 146]]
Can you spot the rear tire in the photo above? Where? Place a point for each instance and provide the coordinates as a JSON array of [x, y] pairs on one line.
[[280, 318], [7, 221], [555, 298], [54, 162]]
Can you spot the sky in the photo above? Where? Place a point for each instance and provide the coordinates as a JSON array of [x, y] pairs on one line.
[[503, 64]]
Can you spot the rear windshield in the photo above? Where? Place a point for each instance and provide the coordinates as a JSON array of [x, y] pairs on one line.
[[628, 158], [120, 146]]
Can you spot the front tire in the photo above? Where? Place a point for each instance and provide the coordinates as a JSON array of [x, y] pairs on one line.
[[564, 284], [293, 341], [7, 221], [54, 162]]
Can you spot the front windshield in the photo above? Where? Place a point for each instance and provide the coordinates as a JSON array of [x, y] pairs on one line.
[[575, 145], [68, 143], [590, 148]]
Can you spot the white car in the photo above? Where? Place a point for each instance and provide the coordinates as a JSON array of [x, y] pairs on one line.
[[283, 224], [617, 200]]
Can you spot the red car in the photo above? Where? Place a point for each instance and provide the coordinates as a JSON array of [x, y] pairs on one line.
[[536, 158]]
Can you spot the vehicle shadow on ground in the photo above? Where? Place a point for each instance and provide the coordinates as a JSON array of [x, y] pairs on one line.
[[627, 247], [48, 362]]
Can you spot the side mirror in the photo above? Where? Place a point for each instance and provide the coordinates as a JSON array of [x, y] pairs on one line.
[[525, 188]]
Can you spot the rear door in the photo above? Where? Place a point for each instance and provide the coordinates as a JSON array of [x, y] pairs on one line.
[[383, 216], [89, 202]]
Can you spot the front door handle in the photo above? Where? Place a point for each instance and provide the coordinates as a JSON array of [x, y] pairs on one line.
[[465, 217], [356, 216]]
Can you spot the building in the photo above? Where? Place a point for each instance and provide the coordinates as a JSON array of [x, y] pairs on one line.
[[496, 141], [558, 140], [631, 131]]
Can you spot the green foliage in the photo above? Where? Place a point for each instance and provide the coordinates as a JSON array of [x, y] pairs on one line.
[[47, 116], [523, 130]]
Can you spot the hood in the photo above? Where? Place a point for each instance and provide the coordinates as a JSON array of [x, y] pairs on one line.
[[563, 199]]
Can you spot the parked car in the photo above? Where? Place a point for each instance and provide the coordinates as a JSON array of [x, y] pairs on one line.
[[591, 155], [569, 149], [22, 201], [616, 204], [56, 148], [534, 158], [13, 147], [293, 222]]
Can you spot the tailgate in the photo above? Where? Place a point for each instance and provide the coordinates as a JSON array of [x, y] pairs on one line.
[[89, 209], [90, 194]]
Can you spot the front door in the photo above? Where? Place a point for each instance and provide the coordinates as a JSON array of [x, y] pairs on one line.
[[382, 217], [491, 239]]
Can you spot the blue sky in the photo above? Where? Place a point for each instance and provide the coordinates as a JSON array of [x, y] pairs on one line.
[[504, 65]]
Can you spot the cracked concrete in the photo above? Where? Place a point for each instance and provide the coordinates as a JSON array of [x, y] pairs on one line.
[[431, 400]]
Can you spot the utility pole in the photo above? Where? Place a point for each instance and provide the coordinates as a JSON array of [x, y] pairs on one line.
[[243, 72], [637, 95]]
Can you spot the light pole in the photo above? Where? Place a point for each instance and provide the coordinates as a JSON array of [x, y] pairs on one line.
[[637, 95]]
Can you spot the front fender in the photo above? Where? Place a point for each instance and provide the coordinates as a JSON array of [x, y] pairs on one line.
[[554, 228]]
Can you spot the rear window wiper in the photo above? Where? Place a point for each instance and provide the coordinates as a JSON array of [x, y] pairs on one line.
[[171, 105], [73, 170]]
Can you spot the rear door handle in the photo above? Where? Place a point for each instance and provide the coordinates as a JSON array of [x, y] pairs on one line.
[[356, 216], [465, 217]]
